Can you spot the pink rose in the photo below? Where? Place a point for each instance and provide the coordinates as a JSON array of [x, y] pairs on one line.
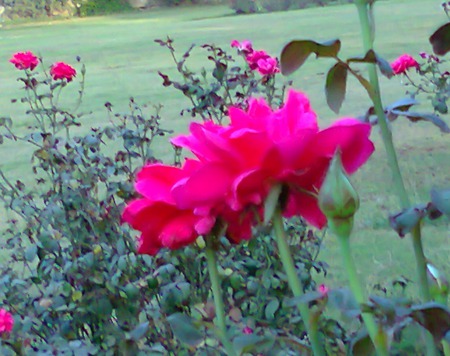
[[24, 60], [323, 289], [244, 46], [262, 148], [61, 70], [403, 63], [268, 66], [6, 321], [254, 57]]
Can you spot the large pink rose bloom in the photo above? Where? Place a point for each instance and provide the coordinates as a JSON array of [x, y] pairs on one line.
[[262, 148], [403, 63], [6, 321]]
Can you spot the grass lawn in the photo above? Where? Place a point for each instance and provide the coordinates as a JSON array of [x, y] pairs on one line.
[[122, 61]]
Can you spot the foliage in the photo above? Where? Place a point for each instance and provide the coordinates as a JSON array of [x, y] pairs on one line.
[[73, 280], [227, 84], [37, 8], [103, 7]]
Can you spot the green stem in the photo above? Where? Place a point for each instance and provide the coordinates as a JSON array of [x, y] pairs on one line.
[[355, 286], [217, 294], [386, 135], [295, 284]]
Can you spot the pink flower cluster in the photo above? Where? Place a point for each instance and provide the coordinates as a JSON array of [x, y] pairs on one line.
[[6, 321], [403, 63], [235, 168], [257, 60], [28, 61]]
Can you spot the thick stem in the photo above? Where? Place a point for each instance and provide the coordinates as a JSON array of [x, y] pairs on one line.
[[355, 286], [295, 283], [363, 13], [217, 294]]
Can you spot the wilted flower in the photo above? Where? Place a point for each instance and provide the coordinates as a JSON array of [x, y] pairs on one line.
[[24, 60]]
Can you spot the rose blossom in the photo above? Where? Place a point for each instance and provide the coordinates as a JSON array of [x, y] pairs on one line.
[[24, 60], [268, 66], [244, 46], [323, 289], [262, 148], [236, 167], [61, 70], [403, 63], [6, 321]]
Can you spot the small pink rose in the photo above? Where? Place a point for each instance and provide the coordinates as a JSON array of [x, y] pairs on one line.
[[403, 63], [323, 289], [247, 330], [61, 70], [6, 321], [24, 60]]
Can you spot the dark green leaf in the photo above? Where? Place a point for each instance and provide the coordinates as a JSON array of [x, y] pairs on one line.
[[305, 298], [184, 329], [336, 85], [385, 66], [361, 345], [271, 309], [407, 219], [370, 57], [253, 343], [402, 104], [440, 40], [441, 200], [415, 116], [271, 202], [434, 317], [295, 53]]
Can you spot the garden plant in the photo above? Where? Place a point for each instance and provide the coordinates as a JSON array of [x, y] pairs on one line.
[[112, 251]]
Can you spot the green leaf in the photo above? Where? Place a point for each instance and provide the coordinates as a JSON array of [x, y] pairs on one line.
[[271, 309], [336, 85], [303, 299], [184, 329], [295, 53], [372, 57], [415, 116], [402, 104], [385, 66], [434, 317], [30, 253], [253, 343], [271, 202], [361, 345], [440, 40], [138, 332], [407, 219], [441, 200]]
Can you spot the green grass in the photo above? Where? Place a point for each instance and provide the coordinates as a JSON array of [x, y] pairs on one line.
[[122, 61]]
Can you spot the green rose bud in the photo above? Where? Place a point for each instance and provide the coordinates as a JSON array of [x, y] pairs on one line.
[[338, 199]]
